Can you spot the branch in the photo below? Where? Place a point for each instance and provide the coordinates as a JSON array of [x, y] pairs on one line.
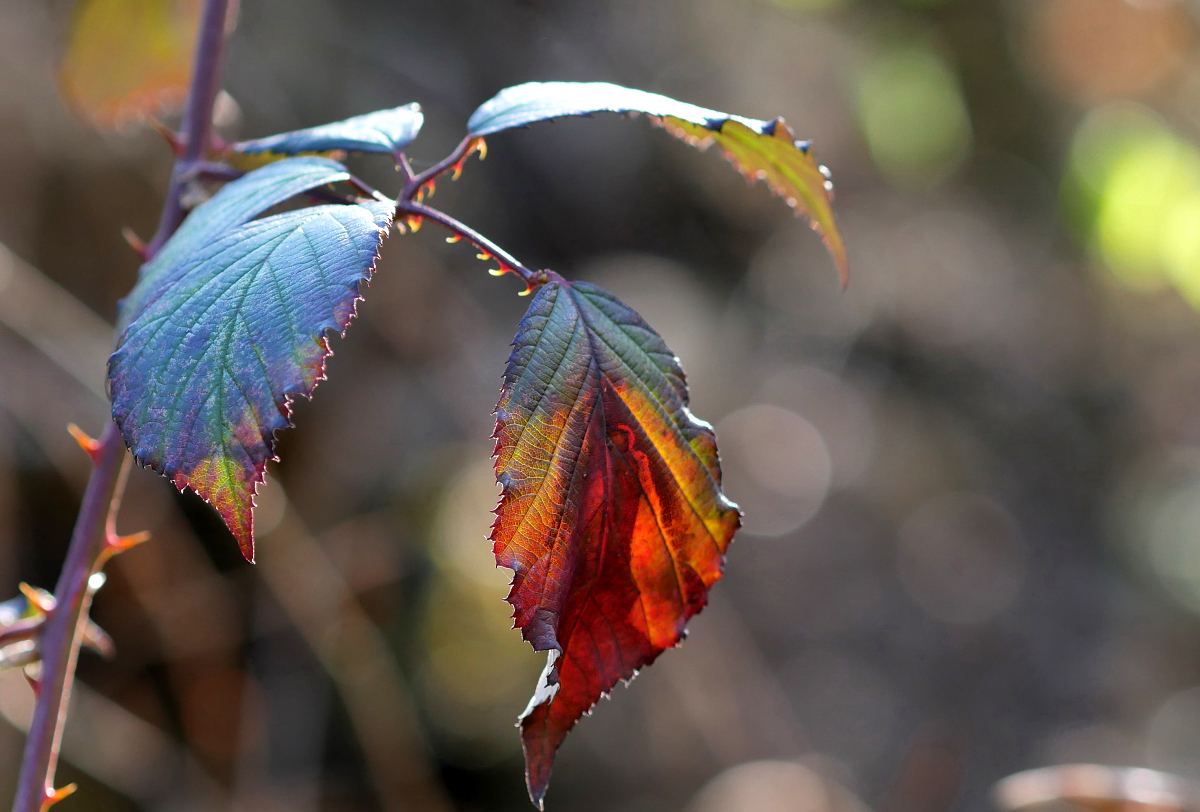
[[62, 631], [197, 116], [94, 539], [414, 184], [487, 248]]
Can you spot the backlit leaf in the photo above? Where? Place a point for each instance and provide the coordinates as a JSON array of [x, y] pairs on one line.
[[128, 58], [384, 131], [218, 341], [761, 150], [236, 203], [611, 516]]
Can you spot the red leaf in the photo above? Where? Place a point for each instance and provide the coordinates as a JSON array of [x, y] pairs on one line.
[[612, 517]]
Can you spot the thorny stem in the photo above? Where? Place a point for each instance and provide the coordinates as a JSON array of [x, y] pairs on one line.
[[63, 630], [197, 116], [414, 182], [409, 203], [507, 261], [94, 534]]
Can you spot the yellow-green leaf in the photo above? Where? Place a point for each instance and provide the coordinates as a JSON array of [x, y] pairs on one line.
[[128, 58], [761, 150]]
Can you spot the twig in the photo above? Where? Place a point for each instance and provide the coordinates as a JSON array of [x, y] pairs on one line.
[[413, 184], [197, 116], [488, 249], [62, 632], [92, 538]]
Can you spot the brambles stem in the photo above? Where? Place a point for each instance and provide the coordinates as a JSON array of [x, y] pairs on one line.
[[506, 260], [454, 161], [62, 631], [197, 116], [94, 538]]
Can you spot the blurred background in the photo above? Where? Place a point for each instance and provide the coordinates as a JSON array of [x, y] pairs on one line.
[[971, 481]]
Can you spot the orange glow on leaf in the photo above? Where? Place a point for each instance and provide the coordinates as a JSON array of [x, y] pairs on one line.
[[611, 517]]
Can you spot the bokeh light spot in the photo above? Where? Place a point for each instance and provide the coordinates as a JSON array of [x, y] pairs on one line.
[[1173, 734], [1093, 50], [773, 786], [913, 116], [776, 467], [1132, 190]]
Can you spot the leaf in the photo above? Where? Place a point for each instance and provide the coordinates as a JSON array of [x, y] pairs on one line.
[[611, 516], [761, 150], [128, 58], [235, 204], [386, 131], [220, 339]]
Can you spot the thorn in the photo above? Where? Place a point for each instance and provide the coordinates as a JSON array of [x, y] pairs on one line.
[[432, 186], [39, 599], [476, 144], [114, 544], [218, 144], [172, 138], [99, 641], [119, 544], [528, 290], [88, 444], [135, 242], [497, 271], [453, 238], [484, 255], [34, 682], [53, 796], [414, 223]]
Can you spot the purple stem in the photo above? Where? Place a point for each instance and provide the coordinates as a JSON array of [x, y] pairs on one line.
[[413, 183], [507, 261], [63, 629], [197, 115]]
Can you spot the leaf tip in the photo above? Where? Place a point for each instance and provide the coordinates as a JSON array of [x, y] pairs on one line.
[[246, 545], [239, 518]]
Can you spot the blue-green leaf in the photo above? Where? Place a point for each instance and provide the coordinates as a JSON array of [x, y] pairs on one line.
[[236, 203], [761, 150], [531, 102], [384, 131], [222, 340]]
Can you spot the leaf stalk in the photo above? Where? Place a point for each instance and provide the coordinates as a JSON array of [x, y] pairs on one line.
[[487, 248], [454, 161]]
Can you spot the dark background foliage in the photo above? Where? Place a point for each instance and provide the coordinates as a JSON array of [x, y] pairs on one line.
[[972, 481]]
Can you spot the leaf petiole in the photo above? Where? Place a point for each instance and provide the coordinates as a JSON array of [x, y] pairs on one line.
[[413, 183], [487, 248]]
